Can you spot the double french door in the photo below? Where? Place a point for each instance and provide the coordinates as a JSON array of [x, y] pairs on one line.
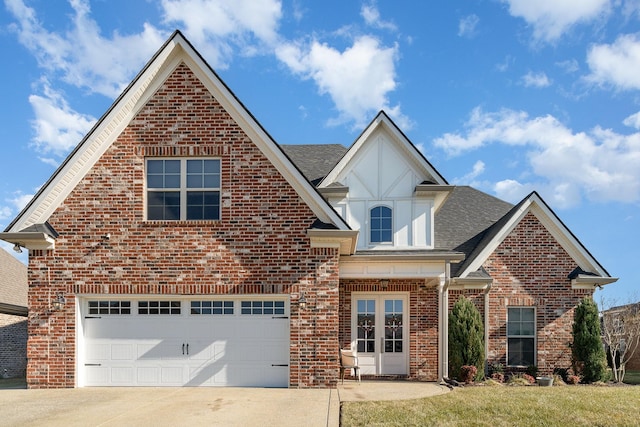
[[379, 325]]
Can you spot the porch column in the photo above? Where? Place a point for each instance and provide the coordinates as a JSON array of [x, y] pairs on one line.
[[443, 296], [486, 327]]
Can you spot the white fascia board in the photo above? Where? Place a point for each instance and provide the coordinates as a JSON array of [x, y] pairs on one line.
[[92, 147], [346, 159], [101, 137], [263, 141], [380, 121], [493, 245], [550, 221], [29, 240], [344, 240], [584, 281]]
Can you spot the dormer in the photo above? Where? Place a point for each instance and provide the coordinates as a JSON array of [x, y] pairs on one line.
[[385, 188]]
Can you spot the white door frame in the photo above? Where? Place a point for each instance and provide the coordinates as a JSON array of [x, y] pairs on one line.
[[378, 362]]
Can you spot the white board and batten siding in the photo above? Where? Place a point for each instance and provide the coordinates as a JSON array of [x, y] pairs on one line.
[[382, 174]]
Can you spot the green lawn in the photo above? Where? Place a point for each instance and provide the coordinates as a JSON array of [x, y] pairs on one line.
[[504, 406], [632, 377]]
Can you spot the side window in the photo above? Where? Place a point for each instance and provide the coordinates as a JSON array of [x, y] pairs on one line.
[[521, 336], [381, 224], [183, 189]]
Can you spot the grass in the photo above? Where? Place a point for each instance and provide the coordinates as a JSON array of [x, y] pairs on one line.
[[504, 406], [632, 377]]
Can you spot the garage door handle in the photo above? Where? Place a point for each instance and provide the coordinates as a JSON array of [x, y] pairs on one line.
[[92, 364], [182, 348], [280, 317], [187, 349], [275, 364]]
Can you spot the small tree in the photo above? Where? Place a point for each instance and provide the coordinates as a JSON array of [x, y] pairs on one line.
[[621, 334], [588, 351], [466, 338]]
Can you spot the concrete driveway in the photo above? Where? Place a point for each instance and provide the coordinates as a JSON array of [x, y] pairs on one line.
[[196, 406]]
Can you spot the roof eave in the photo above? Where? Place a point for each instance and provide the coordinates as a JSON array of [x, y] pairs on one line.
[[344, 240], [588, 281], [446, 256], [30, 240]]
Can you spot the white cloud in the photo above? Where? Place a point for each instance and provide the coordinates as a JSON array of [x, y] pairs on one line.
[[82, 56], [600, 165], [20, 200], [57, 127], [5, 212], [552, 18], [616, 64], [371, 16], [633, 121], [539, 80], [358, 79], [470, 178], [512, 190], [504, 66], [467, 26], [569, 66], [217, 27]]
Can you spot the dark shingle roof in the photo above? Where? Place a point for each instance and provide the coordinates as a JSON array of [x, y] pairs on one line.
[[461, 224], [464, 220], [315, 161]]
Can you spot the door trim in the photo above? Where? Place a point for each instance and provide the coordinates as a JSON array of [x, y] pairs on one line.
[[379, 297]]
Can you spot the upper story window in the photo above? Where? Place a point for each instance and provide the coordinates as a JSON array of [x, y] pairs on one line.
[[183, 189], [381, 224]]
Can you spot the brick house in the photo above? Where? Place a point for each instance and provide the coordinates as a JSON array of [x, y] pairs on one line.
[[179, 244], [612, 321], [13, 316]]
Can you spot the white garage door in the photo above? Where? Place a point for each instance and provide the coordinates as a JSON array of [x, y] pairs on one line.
[[185, 342]]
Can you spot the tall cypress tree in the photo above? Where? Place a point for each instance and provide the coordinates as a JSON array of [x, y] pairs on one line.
[[588, 351], [466, 338]]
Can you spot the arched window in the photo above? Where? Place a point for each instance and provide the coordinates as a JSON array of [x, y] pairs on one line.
[[381, 224]]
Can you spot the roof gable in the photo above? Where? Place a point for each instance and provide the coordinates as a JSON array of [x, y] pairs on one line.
[[383, 125], [175, 51], [535, 205]]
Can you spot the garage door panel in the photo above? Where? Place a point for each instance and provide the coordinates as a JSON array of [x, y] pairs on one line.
[[122, 375], [151, 350]]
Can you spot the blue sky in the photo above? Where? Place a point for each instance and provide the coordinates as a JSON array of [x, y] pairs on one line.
[[505, 95]]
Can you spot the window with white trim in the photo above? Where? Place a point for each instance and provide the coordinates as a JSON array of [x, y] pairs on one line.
[[159, 307], [183, 189], [381, 224], [211, 307], [262, 307], [521, 336], [109, 307]]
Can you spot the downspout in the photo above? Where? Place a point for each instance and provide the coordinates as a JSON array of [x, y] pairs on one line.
[[486, 327], [444, 323]]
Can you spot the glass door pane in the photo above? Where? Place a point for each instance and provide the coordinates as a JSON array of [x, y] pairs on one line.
[[366, 326], [393, 325]]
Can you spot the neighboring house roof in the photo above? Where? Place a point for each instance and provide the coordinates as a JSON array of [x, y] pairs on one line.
[[174, 52], [13, 285]]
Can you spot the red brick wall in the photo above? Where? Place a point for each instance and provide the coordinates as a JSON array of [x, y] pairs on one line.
[[423, 321], [258, 246], [530, 268]]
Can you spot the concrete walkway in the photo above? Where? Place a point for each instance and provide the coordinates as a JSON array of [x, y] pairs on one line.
[[196, 406]]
